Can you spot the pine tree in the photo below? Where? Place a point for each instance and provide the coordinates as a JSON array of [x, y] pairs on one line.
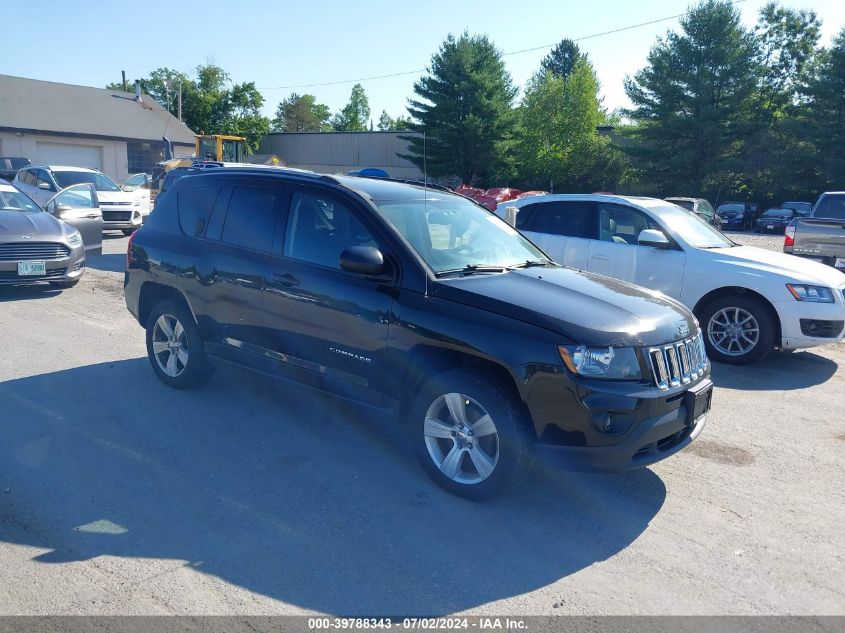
[[355, 115], [563, 58]]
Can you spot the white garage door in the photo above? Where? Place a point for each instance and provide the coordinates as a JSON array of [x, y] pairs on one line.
[[67, 154]]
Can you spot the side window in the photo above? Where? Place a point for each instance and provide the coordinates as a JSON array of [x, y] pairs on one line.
[[195, 205], [77, 197], [41, 177], [571, 219], [320, 228], [28, 177], [622, 224], [251, 218]]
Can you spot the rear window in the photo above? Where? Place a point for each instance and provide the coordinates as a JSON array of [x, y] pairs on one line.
[[18, 163], [778, 213], [251, 218], [195, 205], [686, 204], [831, 206]]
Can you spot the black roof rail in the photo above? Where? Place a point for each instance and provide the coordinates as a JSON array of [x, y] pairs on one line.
[[406, 181]]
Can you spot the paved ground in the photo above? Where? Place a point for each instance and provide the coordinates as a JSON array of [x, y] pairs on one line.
[[119, 496]]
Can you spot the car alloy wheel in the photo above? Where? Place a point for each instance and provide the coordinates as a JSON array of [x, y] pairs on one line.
[[170, 345], [733, 331], [461, 438]]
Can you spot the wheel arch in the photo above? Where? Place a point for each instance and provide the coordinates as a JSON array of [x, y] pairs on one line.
[[152, 293], [727, 291]]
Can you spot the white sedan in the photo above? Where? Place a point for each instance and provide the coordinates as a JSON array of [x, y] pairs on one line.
[[748, 300]]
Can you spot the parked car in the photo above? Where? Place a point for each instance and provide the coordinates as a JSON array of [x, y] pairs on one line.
[[747, 299], [422, 303], [774, 220], [821, 236], [9, 166], [737, 216], [700, 207], [122, 210], [803, 208], [36, 246]]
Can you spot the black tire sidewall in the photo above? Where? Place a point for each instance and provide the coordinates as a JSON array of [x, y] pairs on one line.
[[503, 407], [197, 370], [760, 312]]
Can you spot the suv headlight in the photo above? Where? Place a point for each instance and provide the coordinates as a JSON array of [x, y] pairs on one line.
[[620, 363], [74, 239], [816, 294]]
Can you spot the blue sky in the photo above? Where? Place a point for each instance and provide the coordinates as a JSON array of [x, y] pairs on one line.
[[276, 43]]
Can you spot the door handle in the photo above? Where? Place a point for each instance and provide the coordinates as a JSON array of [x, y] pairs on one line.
[[601, 256], [285, 279], [93, 216]]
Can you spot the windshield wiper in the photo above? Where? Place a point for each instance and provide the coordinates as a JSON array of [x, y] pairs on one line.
[[530, 263], [472, 269]]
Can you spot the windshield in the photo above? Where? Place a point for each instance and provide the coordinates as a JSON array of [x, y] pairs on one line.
[[100, 181], [16, 201], [690, 227], [778, 213], [450, 234], [686, 204]]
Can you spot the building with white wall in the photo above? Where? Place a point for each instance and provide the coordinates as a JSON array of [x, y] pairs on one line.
[[62, 124]]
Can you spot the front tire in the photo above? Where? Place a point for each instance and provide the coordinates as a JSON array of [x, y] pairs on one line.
[[738, 329], [175, 348], [468, 434]]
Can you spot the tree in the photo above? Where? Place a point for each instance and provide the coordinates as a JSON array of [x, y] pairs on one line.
[[563, 58], [301, 113], [210, 102], [463, 109], [386, 123], [559, 148], [692, 102], [355, 115]]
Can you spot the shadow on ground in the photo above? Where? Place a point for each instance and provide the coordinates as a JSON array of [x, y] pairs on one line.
[[22, 293], [113, 262], [778, 371], [286, 493]]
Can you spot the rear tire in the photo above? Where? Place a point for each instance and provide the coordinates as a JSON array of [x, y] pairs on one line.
[[174, 346], [738, 329], [469, 434]]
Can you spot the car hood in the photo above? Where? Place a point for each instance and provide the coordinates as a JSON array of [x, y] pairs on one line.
[[16, 224], [105, 197], [790, 267], [587, 308]]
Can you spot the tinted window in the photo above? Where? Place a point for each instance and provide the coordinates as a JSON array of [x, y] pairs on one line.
[[27, 178], [831, 206], [17, 163], [571, 219], [195, 205], [251, 218], [320, 228], [622, 224], [689, 205], [100, 181], [41, 176]]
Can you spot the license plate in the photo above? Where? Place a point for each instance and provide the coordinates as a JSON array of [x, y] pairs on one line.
[[770, 227], [26, 269], [698, 402]]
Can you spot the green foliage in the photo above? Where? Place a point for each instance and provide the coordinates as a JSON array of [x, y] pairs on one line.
[[692, 102], [463, 109], [301, 113], [563, 58], [211, 104], [558, 147], [355, 115], [386, 123]]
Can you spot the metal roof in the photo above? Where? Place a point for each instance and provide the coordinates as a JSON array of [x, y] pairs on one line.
[[65, 109]]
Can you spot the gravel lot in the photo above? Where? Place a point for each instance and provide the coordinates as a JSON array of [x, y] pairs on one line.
[[120, 496]]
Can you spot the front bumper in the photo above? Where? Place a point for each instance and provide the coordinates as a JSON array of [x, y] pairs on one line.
[[121, 217], [791, 314], [58, 270]]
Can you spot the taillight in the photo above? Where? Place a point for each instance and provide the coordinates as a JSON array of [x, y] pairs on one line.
[[129, 259], [789, 235]]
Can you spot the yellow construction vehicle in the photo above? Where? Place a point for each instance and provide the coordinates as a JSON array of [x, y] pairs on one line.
[[220, 147]]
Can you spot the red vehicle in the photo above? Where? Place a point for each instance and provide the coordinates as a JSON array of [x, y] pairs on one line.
[[491, 198]]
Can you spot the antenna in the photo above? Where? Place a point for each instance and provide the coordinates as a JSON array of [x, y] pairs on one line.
[[425, 177]]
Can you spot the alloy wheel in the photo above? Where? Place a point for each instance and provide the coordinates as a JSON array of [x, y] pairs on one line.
[[461, 438], [733, 331], [170, 345]]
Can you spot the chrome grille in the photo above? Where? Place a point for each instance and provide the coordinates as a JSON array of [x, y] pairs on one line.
[[38, 251], [117, 216], [678, 363]]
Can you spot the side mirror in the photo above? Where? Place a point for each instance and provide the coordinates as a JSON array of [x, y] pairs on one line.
[[653, 238], [362, 260], [129, 188], [510, 215], [45, 186]]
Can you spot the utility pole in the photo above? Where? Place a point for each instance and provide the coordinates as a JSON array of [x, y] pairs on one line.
[[123, 74], [180, 101]]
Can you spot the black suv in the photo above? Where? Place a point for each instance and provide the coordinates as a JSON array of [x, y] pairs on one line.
[[421, 303]]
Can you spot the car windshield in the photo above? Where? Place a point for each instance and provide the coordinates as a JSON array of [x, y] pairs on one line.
[[453, 234], [689, 205], [16, 201], [100, 181], [690, 227], [778, 213]]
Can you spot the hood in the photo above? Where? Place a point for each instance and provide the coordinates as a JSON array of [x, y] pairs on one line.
[[790, 267], [15, 224], [105, 197], [587, 308]]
